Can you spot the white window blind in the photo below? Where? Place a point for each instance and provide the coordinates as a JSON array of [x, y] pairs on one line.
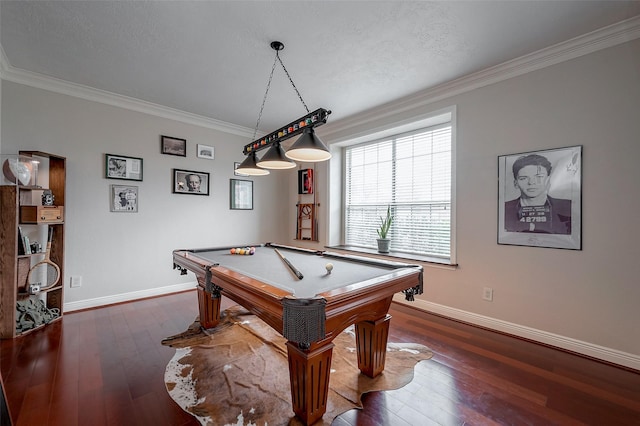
[[412, 174]]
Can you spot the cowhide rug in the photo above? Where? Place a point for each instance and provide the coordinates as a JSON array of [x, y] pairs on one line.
[[237, 373]]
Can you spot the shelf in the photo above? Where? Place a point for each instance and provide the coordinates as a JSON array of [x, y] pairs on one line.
[[38, 327], [24, 294], [21, 256], [41, 215]]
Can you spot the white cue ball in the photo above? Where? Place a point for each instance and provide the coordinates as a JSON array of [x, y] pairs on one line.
[[329, 267]]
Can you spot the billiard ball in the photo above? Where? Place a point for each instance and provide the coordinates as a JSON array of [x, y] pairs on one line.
[[329, 267], [243, 250]]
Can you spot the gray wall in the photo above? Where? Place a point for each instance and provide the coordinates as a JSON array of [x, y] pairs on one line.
[[126, 255], [583, 300], [587, 300]]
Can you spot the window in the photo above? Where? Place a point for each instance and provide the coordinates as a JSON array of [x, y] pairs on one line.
[[411, 173]]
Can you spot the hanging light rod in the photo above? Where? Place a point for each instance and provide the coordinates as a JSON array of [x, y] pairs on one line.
[[313, 119]]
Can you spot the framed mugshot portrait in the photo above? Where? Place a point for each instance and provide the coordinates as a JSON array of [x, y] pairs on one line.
[[540, 198], [190, 182]]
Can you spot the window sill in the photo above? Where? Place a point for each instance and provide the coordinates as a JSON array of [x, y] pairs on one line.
[[397, 256]]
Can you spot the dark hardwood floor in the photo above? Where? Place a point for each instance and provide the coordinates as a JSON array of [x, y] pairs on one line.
[[106, 367]]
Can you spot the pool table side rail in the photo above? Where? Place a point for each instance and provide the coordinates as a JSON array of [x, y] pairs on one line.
[[351, 257], [226, 248], [203, 268], [343, 307], [182, 260], [259, 298], [359, 303]]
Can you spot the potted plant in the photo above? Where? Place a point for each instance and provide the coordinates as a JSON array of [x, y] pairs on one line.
[[383, 230]]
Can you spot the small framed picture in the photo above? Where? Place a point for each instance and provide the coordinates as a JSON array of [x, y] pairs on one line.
[[241, 193], [205, 151], [123, 167], [174, 146], [124, 198], [190, 182], [305, 181], [235, 166], [540, 198]]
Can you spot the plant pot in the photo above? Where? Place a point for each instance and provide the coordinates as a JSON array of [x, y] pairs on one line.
[[383, 245]]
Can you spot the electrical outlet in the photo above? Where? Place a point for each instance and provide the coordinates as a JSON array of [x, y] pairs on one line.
[[76, 281], [487, 294]]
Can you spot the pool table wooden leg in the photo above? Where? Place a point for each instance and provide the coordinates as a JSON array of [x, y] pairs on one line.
[[208, 307], [371, 342], [309, 374]]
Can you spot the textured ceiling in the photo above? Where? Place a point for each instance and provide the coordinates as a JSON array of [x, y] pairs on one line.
[[212, 58]]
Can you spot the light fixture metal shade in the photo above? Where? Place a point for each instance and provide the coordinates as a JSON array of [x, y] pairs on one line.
[[249, 167], [308, 148], [275, 159]]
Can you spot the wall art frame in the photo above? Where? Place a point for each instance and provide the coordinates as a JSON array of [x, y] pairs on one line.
[[170, 145], [123, 167], [123, 198], [305, 181], [190, 182], [540, 198], [205, 151], [240, 194]]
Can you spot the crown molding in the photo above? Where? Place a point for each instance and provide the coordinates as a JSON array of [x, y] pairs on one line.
[[594, 41], [55, 85]]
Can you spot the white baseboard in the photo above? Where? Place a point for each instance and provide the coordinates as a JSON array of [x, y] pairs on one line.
[[588, 349], [127, 297]]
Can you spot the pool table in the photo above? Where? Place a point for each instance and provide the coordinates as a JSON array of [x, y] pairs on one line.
[[309, 312]]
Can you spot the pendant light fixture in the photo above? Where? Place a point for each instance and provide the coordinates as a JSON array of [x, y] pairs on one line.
[[275, 159], [308, 148], [249, 167]]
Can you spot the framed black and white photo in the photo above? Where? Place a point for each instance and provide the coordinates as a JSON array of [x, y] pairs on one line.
[[241, 194], [123, 167], [205, 151], [190, 182], [123, 198], [173, 146], [235, 173], [540, 198]]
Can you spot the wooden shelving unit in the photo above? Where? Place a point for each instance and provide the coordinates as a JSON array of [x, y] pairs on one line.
[[14, 267]]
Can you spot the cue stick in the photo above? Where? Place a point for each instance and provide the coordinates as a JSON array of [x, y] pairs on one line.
[[293, 268]]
